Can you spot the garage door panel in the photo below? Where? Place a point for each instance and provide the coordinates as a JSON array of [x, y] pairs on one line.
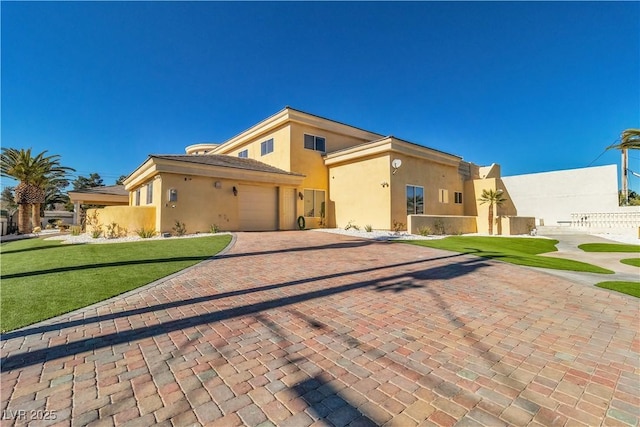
[[258, 208]]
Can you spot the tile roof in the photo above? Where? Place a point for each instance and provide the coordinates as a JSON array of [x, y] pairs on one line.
[[116, 190], [225, 161]]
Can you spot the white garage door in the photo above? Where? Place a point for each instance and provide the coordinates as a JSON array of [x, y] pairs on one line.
[[258, 208]]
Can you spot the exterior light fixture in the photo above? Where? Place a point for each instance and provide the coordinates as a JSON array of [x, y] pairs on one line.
[[384, 184], [217, 184], [235, 191], [300, 195]]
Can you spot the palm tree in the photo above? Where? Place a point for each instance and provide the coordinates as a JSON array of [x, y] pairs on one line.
[[494, 198], [629, 140], [35, 175]]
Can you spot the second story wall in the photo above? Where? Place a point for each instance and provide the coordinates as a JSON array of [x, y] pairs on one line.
[[270, 147]]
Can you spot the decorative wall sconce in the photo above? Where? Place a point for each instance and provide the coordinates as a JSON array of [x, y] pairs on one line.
[[300, 195], [172, 195], [235, 191], [217, 184], [384, 184]]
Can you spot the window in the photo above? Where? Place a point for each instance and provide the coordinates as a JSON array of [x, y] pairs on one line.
[[266, 147], [244, 154], [443, 196], [457, 197], [314, 203], [316, 143], [137, 201], [415, 200], [150, 193]]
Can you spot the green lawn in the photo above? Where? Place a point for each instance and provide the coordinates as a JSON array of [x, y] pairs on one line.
[[629, 288], [42, 279], [631, 261], [609, 247], [515, 250]]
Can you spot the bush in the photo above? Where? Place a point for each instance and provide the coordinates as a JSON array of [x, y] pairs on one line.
[[146, 233], [114, 231], [438, 224], [368, 228], [424, 231], [37, 230], [398, 226], [351, 225], [75, 230], [214, 229], [93, 224], [180, 228]]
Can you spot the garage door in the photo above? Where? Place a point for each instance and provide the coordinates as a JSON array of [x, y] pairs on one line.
[[258, 208]]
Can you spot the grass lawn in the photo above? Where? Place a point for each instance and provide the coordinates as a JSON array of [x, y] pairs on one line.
[[42, 279], [631, 261], [515, 250], [629, 288], [609, 247]]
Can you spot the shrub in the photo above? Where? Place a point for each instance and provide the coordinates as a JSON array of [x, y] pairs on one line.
[[424, 231], [398, 226], [351, 225], [114, 231], [180, 228], [146, 233], [438, 224], [93, 224], [368, 228], [37, 230], [214, 229], [75, 230]]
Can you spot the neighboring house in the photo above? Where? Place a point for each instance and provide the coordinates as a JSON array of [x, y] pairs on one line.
[[294, 164]]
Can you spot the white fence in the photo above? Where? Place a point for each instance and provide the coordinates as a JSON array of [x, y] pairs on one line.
[[606, 220]]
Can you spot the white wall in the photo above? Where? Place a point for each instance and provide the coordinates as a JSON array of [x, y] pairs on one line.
[[554, 196]]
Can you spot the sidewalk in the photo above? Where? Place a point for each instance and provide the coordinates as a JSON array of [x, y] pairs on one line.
[[568, 248]]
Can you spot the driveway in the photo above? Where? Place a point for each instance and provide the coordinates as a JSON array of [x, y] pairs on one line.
[[306, 328]]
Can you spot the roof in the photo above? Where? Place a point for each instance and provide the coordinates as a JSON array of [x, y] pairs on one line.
[[225, 161], [364, 144], [115, 190]]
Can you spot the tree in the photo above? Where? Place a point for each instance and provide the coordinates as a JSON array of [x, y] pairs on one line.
[[629, 140], [8, 200], [494, 198], [82, 182], [35, 175], [120, 180]]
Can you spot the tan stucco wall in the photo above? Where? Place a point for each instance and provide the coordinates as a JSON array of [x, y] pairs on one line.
[[280, 157], [200, 204], [451, 224], [357, 194], [433, 177], [132, 218], [515, 225]]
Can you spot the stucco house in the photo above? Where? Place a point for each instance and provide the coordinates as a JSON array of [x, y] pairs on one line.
[[295, 164]]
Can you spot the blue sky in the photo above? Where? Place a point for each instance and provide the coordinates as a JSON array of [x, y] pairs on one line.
[[534, 86]]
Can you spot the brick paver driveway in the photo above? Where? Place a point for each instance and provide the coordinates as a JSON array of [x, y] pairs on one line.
[[301, 328]]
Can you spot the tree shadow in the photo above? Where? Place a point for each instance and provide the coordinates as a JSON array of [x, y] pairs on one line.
[[38, 248], [103, 265], [88, 320], [20, 360]]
